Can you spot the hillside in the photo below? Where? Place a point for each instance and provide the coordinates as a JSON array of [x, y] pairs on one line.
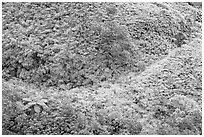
[[102, 68]]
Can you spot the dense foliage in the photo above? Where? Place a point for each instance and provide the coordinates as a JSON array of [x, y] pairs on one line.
[[101, 68], [67, 43], [61, 43]]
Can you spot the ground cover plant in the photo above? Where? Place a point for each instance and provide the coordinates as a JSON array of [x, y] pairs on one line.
[[101, 68]]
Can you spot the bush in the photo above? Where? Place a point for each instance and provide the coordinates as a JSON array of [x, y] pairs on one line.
[[71, 54], [65, 121], [183, 118]]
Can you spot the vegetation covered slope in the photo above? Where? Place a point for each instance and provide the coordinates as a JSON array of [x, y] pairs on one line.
[[102, 68]]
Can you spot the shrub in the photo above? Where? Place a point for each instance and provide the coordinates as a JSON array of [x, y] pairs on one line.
[[184, 117], [67, 121], [71, 54]]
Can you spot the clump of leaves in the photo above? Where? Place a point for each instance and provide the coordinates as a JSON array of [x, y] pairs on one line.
[[180, 39], [114, 123], [184, 117], [58, 121], [34, 105], [111, 10]]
